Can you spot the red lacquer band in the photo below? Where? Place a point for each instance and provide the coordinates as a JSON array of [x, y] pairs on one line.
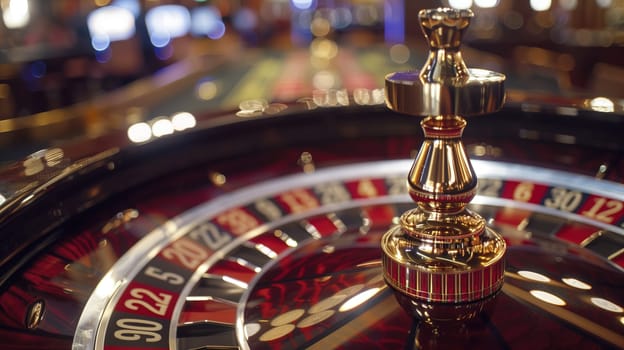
[[455, 287]]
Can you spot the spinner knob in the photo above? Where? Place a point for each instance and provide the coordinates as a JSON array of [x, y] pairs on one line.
[[444, 86], [441, 259]]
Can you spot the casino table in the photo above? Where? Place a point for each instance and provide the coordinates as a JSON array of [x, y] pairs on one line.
[[210, 83], [259, 227]]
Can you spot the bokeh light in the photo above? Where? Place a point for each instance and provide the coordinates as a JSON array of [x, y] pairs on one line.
[[460, 4], [540, 5]]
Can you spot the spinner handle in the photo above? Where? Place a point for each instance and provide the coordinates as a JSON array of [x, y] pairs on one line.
[[445, 86], [441, 252], [443, 27]]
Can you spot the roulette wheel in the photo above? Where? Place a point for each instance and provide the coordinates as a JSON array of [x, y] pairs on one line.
[[273, 227]]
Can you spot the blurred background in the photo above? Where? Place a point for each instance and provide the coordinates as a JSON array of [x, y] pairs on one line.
[[154, 57]]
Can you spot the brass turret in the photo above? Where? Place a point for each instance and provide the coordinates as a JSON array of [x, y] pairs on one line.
[[442, 260]]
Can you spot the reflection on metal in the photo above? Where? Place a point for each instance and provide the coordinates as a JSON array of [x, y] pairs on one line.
[[121, 218], [601, 104], [252, 329], [139, 132], [336, 299], [275, 108], [287, 317], [340, 98], [308, 102], [439, 248], [576, 319], [616, 254], [161, 126], [548, 297], [37, 162], [315, 319], [359, 299], [266, 250], [235, 282], [365, 320], [35, 314], [606, 305], [330, 97], [591, 238], [306, 162], [310, 314], [258, 107], [573, 282], [285, 238], [50, 169], [183, 120], [277, 332], [366, 97], [534, 276], [602, 171], [253, 105], [445, 86]]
